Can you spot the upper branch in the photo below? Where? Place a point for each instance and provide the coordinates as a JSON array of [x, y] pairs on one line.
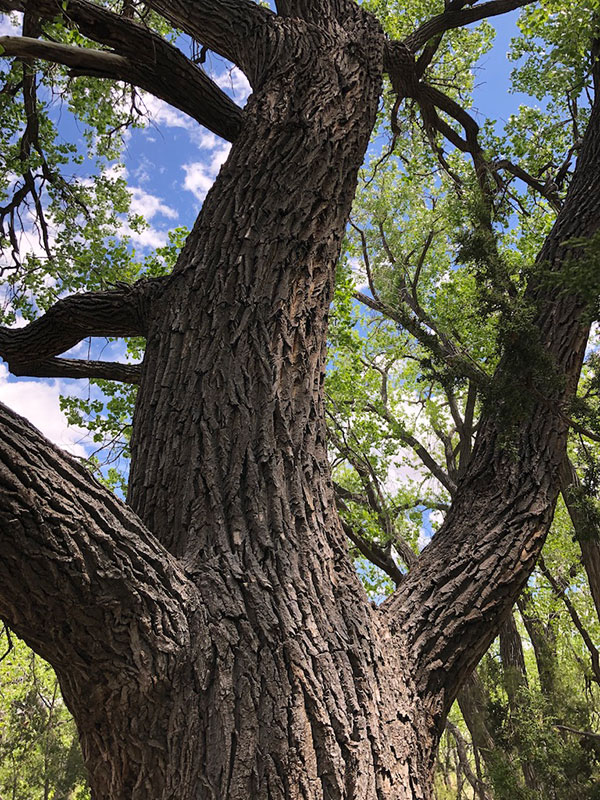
[[238, 30], [441, 347], [453, 18], [78, 565], [77, 368], [139, 56], [120, 312]]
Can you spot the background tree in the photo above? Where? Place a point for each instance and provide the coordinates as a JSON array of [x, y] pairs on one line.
[[226, 586]]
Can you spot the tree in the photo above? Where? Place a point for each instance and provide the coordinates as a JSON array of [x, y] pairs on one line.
[[210, 636]]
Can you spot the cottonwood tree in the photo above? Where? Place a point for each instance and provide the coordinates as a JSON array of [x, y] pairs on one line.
[[211, 636]]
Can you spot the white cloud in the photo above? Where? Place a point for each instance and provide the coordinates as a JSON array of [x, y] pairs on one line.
[[200, 175], [360, 276], [197, 179], [208, 141], [162, 113], [423, 540], [235, 82], [436, 517], [10, 25], [38, 402], [219, 157], [149, 237], [148, 205]]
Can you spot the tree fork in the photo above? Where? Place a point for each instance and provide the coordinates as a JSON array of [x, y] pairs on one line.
[[238, 654]]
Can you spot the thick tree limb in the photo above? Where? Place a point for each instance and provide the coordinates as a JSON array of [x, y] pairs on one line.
[[238, 30], [81, 579], [451, 604], [77, 368], [457, 18], [97, 61], [120, 312], [543, 639], [150, 62]]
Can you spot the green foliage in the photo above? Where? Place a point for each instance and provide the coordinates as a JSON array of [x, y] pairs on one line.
[[39, 750]]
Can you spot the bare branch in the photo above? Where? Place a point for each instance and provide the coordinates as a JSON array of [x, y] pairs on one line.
[[562, 595], [480, 789], [547, 189], [411, 441], [376, 555], [120, 312], [457, 18], [77, 368], [445, 350], [149, 62], [99, 62], [595, 737]]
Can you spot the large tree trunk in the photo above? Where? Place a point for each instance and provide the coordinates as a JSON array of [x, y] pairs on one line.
[[229, 468], [216, 643]]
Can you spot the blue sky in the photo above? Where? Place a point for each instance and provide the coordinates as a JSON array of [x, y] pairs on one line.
[[170, 165]]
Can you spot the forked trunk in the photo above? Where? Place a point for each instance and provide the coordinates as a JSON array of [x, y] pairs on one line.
[[291, 696], [219, 645]]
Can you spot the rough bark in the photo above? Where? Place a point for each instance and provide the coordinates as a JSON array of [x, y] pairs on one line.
[[513, 661], [96, 594], [515, 680], [543, 640], [119, 312], [474, 702], [298, 670], [231, 652]]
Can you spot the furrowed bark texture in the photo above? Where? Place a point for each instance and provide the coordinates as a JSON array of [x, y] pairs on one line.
[[586, 527], [140, 57], [299, 703], [235, 654], [95, 593]]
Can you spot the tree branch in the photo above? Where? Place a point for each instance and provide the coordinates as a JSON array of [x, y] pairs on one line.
[[562, 595], [238, 30], [78, 565], [480, 789], [458, 18], [120, 312], [585, 525], [595, 737], [451, 604], [150, 63], [444, 350], [100, 62], [411, 441], [78, 368], [375, 554]]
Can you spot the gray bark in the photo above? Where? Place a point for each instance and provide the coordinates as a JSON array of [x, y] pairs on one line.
[[213, 640]]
